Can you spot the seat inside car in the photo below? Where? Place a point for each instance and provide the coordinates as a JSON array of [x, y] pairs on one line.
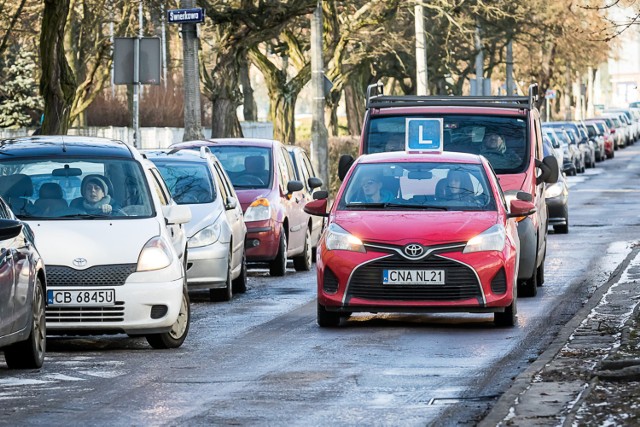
[[15, 190], [50, 199], [255, 165]]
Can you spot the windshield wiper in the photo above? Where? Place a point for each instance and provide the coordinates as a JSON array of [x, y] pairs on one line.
[[84, 216], [396, 205]]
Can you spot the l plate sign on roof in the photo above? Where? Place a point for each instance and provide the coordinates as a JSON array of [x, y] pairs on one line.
[[424, 135]]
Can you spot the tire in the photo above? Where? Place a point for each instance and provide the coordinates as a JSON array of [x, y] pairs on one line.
[[327, 319], [240, 282], [278, 267], [508, 317], [303, 261], [529, 287], [226, 293], [29, 354], [176, 336], [540, 274]]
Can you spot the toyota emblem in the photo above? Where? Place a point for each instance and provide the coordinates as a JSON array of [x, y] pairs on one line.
[[413, 250], [79, 262]]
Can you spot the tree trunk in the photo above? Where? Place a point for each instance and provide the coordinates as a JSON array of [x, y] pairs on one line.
[[249, 106], [354, 104], [192, 111], [57, 83], [225, 97], [283, 116]]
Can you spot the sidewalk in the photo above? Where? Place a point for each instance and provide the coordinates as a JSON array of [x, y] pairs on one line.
[[590, 375]]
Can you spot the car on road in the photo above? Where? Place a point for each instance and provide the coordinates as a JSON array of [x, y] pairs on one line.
[[580, 137], [445, 239], [23, 287], [557, 198], [570, 153], [596, 135], [264, 178], [471, 125], [607, 135], [216, 258], [115, 255]]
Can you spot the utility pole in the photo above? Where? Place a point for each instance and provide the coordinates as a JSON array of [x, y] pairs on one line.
[[590, 108], [510, 88], [192, 112], [137, 141], [422, 77], [319, 135]]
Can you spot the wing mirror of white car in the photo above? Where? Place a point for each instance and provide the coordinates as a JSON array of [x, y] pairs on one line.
[[231, 203], [176, 214]]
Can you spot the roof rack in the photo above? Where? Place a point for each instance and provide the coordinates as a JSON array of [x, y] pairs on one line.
[[377, 99]]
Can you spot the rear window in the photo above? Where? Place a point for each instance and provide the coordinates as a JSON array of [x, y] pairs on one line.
[[189, 183], [462, 133]]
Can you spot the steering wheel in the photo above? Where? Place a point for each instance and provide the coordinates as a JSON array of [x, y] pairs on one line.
[[249, 180]]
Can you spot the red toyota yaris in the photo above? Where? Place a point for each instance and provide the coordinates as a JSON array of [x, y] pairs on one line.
[[419, 233]]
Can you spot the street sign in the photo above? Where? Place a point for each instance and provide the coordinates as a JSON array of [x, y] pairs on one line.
[[424, 135], [185, 16], [550, 94], [124, 61]]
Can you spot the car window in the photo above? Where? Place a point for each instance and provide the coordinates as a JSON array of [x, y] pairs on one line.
[[418, 185], [53, 187], [246, 166], [462, 133], [4, 210], [225, 191], [188, 182], [161, 190]]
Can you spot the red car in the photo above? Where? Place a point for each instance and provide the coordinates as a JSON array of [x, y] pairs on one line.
[[264, 178], [437, 236]]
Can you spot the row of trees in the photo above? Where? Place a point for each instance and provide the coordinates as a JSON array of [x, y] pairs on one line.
[[69, 43]]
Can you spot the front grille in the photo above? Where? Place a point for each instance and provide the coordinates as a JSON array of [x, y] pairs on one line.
[[460, 281], [112, 314], [100, 275], [330, 283], [499, 282]]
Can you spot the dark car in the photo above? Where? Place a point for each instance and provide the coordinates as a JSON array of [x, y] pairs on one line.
[[581, 139], [306, 174], [22, 294], [570, 153], [264, 178], [557, 198]]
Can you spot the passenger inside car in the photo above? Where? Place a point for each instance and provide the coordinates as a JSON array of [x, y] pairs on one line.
[[372, 191]]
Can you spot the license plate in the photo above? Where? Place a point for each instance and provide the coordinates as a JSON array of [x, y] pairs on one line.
[[85, 297], [413, 277]]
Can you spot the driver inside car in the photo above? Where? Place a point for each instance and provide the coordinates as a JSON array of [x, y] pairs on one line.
[[95, 196], [255, 166]]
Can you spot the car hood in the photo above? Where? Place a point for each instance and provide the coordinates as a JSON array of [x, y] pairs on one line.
[[99, 242], [248, 196], [202, 215], [402, 227]]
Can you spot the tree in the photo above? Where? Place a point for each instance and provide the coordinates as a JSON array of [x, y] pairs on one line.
[[57, 83], [19, 98]]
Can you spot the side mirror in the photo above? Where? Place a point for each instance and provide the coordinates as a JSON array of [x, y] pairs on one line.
[[518, 208], [321, 194], [314, 182], [176, 214], [524, 196], [549, 170], [294, 185], [344, 164], [317, 207], [230, 203], [9, 228]]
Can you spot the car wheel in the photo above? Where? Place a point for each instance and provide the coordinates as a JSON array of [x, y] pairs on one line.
[[176, 336], [240, 282], [508, 317], [278, 267], [529, 287], [29, 354], [327, 319], [303, 261], [226, 293], [540, 275]]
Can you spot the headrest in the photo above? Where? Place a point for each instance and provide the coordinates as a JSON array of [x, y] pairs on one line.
[[50, 190], [18, 185], [254, 163]]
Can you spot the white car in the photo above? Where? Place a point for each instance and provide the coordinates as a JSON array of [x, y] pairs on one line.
[[109, 232], [216, 258]]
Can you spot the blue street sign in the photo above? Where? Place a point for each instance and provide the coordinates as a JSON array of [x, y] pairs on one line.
[[424, 135], [185, 16]]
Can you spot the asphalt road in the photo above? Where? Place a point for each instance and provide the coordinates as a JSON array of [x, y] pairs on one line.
[[262, 360]]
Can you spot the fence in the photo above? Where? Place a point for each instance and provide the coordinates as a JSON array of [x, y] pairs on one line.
[[150, 137]]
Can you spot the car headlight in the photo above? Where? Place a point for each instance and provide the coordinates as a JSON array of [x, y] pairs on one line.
[[554, 190], [340, 239], [259, 210], [155, 255], [207, 236], [492, 239]]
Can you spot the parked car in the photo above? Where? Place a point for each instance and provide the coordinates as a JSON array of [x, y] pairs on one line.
[[608, 136], [618, 128], [306, 174], [517, 158], [216, 258], [571, 155], [264, 178], [627, 123], [122, 266], [446, 240], [580, 137], [23, 287], [597, 136], [557, 197]]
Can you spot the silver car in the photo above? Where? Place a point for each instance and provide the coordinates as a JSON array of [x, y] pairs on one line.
[[216, 257]]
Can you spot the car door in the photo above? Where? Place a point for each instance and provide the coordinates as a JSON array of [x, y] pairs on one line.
[[7, 279], [233, 211]]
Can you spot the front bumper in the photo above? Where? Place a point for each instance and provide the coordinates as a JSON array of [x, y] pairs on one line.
[[262, 240], [207, 266]]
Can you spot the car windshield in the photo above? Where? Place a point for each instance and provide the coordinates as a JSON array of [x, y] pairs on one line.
[[189, 183], [75, 188], [418, 185], [461, 133], [247, 167]]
